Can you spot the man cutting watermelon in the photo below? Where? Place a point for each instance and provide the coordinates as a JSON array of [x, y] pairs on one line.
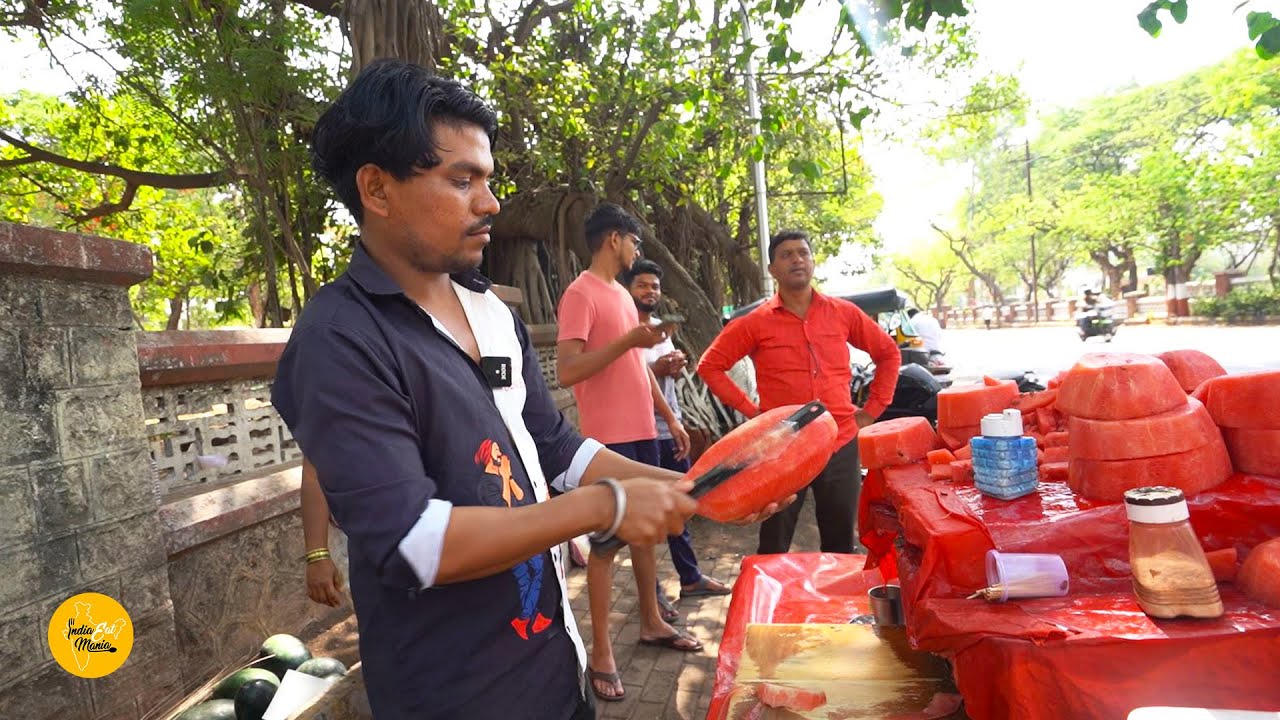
[[416, 394], [799, 343]]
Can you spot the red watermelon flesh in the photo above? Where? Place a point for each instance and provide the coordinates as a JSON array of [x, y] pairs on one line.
[[964, 405], [1032, 400], [1119, 386], [1249, 400], [1223, 563], [770, 479], [1186, 428], [1192, 472], [1191, 367], [777, 695], [1057, 439], [1256, 452], [958, 437], [1259, 576], [900, 441]]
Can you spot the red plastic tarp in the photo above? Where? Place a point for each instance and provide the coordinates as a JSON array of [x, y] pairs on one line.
[[791, 588], [1075, 652]]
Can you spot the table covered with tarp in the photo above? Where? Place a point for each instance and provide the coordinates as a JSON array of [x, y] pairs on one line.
[[1092, 653]]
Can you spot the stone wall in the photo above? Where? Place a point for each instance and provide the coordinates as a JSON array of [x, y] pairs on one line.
[[79, 504]]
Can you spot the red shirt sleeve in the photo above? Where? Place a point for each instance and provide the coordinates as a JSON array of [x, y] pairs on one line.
[[867, 335], [734, 342]]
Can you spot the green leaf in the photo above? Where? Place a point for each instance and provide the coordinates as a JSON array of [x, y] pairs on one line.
[[1259, 23], [1148, 21], [1269, 44], [858, 116], [1178, 9]]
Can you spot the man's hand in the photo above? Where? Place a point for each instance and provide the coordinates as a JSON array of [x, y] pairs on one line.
[[669, 365], [324, 582], [681, 438], [655, 509], [644, 336], [863, 418], [765, 514]]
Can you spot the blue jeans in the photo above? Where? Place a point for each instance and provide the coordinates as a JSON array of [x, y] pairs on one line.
[[662, 453]]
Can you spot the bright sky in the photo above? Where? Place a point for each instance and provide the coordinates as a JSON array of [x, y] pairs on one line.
[[1062, 52]]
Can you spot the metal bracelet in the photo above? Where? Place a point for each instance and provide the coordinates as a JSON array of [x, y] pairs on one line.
[[619, 510]]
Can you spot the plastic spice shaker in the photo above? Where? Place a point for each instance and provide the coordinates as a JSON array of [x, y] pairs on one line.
[[1171, 576]]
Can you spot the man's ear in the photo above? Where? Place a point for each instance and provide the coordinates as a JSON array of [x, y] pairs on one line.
[[371, 181]]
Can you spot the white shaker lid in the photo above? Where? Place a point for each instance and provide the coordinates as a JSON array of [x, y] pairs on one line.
[[1004, 424], [1154, 505]]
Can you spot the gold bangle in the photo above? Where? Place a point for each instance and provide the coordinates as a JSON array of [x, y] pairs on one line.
[[317, 555]]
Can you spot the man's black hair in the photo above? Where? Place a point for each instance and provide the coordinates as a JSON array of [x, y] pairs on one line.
[[607, 218], [912, 312], [387, 117], [642, 266], [784, 236]]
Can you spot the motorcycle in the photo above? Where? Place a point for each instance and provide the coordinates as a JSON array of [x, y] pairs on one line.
[[1096, 322], [916, 392]]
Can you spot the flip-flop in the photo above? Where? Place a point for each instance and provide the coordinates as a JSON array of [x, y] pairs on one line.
[[672, 642], [614, 680], [700, 589], [668, 611]]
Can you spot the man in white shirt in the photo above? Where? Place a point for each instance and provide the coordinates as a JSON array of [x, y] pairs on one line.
[[928, 330]]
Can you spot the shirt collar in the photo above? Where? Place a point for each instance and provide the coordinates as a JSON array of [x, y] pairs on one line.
[[375, 281], [775, 302]]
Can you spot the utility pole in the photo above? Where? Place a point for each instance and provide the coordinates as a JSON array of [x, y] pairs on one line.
[[757, 166], [1035, 268]]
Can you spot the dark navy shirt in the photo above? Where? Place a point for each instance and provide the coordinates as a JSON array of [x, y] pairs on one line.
[[394, 416]]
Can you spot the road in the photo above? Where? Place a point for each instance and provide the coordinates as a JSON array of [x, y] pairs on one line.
[[1048, 349]]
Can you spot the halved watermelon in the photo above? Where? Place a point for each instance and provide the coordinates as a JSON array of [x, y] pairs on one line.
[[1250, 400], [900, 441], [771, 479], [1118, 386], [1256, 452], [1193, 471], [1180, 430], [1191, 367]]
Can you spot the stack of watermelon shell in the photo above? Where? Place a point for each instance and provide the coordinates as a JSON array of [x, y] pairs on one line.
[[1247, 409], [1133, 425]]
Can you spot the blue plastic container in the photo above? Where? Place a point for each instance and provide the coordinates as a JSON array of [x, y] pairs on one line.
[[1004, 461]]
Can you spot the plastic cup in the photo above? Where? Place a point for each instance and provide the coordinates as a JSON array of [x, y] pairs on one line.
[[1026, 575], [886, 605]]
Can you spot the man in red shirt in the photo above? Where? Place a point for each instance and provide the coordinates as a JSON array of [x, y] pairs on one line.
[[799, 341]]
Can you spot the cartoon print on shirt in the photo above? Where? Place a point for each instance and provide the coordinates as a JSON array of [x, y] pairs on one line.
[[528, 573]]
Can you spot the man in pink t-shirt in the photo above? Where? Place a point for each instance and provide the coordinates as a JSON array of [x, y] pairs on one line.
[[600, 350]]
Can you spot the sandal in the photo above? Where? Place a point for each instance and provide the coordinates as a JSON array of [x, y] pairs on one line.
[[668, 611], [703, 588], [674, 641], [614, 680]]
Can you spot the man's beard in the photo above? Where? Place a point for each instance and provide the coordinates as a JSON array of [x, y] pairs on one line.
[[645, 307]]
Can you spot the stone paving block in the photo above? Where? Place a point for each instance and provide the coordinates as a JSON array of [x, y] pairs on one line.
[[61, 497], [17, 519]]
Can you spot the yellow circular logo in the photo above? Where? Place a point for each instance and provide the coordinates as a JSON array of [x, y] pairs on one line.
[[90, 635]]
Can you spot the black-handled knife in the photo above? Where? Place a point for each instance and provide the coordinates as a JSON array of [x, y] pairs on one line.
[[741, 459]]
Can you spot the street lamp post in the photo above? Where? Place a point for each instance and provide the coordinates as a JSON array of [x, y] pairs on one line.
[[757, 166]]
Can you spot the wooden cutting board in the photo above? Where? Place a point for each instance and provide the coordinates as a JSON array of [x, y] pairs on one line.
[[862, 672]]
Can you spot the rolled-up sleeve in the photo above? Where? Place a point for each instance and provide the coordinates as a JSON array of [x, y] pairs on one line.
[[867, 335], [352, 419]]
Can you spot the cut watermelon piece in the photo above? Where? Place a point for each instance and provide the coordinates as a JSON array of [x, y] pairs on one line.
[[1118, 386], [1193, 471], [940, 457], [1054, 472], [957, 437], [1055, 382], [1223, 563], [964, 452], [1186, 428], [1056, 454], [1251, 400], [1191, 367], [962, 471], [964, 405], [900, 441], [1259, 576], [1033, 400], [771, 479], [1057, 439], [777, 695], [1256, 452]]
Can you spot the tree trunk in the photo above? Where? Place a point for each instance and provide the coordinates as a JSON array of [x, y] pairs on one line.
[[176, 303], [406, 29]]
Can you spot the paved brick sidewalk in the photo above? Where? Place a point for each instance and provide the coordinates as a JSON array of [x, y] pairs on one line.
[[665, 683]]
